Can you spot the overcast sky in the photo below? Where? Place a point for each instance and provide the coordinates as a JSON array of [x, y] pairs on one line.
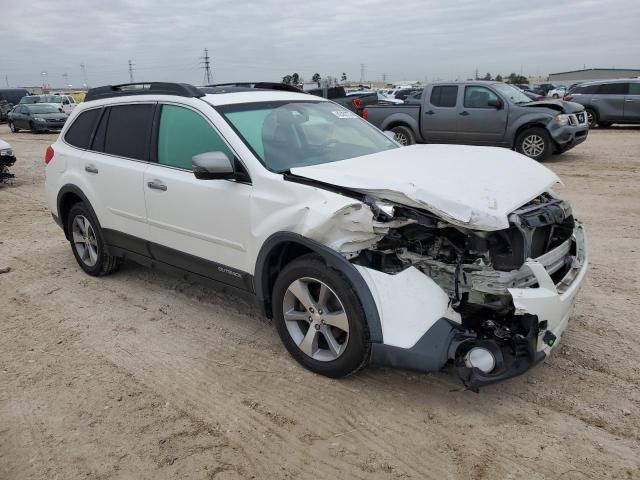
[[264, 40]]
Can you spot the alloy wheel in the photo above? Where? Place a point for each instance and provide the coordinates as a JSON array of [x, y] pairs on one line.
[[84, 240], [533, 145], [316, 319], [590, 118], [401, 138]]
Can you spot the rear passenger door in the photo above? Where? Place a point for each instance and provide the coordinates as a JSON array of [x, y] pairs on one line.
[[439, 122], [632, 103], [113, 168], [192, 220], [609, 101]]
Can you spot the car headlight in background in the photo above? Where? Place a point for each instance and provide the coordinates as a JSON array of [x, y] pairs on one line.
[[562, 119]]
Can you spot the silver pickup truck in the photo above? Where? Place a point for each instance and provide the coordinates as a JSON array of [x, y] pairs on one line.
[[484, 113]]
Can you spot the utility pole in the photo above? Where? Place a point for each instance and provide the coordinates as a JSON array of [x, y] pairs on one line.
[[6, 79], [131, 65], [83, 67], [384, 77], [361, 72], [66, 79], [476, 74], [206, 65]]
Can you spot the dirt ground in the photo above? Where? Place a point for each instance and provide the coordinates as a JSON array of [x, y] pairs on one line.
[[144, 376]]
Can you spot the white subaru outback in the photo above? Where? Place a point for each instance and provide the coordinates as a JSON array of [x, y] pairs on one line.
[[360, 250]]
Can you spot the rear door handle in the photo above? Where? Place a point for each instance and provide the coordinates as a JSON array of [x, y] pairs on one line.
[[91, 168], [629, 100], [429, 112], [464, 114], [157, 185]]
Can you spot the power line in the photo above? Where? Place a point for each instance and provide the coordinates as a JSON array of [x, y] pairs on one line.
[[208, 79], [131, 65]]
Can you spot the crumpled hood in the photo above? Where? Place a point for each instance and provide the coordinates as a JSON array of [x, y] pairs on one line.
[[561, 106], [476, 187]]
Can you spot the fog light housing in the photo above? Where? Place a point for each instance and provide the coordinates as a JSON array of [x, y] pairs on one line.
[[480, 358]]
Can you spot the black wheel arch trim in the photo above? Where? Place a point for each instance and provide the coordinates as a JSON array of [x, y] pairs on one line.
[[333, 259], [70, 188]]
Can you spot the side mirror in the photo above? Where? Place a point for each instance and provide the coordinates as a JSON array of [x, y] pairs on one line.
[[495, 103], [65, 102], [390, 134], [212, 166]]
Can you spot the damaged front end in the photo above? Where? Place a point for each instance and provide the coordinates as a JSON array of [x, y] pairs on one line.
[[509, 292]]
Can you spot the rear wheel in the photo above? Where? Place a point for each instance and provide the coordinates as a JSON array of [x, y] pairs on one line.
[[534, 143], [87, 243], [404, 135], [319, 318]]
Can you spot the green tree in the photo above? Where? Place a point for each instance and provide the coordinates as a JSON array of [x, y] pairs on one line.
[[286, 79], [487, 77], [498, 78], [295, 79], [316, 78], [343, 78]]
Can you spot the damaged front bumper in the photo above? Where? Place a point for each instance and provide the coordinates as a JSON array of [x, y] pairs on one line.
[[542, 308]]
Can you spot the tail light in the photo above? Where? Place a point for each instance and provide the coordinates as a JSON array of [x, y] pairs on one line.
[[357, 102], [568, 98], [365, 113], [48, 155]]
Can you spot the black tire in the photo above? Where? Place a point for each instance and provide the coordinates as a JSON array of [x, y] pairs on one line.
[[357, 346], [530, 138], [404, 135], [33, 127], [592, 117], [104, 263], [12, 127]]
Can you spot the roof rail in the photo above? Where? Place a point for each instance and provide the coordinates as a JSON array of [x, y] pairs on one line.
[[143, 88], [260, 85]]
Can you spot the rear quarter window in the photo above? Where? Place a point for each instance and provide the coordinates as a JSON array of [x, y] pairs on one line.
[[79, 134]]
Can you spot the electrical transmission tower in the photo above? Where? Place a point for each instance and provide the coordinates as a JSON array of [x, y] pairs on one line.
[[83, 67], [131, 69], [206, 65], [66, 79], [361, 72]]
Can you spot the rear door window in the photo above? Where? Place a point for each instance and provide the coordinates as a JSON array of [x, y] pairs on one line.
[[79, 134], [444, 96], [613, 89], [128, 131]]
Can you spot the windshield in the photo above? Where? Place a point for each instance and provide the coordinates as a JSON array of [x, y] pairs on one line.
[[43, 109], [30, 99], [512, 94], [51, 99], [284, 135]]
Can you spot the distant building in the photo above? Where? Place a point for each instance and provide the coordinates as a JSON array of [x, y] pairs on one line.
[[577, 76]]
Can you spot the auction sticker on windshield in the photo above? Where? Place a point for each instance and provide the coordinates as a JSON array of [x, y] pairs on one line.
[[344, 114]]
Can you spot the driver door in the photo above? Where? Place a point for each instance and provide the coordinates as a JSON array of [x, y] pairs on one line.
[[199, 225], [481, 121]]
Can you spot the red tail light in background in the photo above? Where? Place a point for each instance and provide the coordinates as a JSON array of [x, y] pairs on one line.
[[357, 102], [48, 155], [568, 98], [365, 113]]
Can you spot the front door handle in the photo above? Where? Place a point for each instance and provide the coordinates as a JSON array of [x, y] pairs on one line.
[[464, 113], [91, 168], [429, 112], [157, 185]]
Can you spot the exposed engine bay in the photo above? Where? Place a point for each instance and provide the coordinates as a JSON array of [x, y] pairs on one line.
[[476, 268]]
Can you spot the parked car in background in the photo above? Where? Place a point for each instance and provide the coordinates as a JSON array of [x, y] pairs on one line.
[[609, 101], [65, 103], [485, 113], [542, 88], [37, 117], [5, 108], [536, 97], [557, 92], [13, 95], [355, 101], [7, 159]]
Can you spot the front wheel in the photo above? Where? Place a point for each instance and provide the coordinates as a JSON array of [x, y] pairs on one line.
[[404, 135], [320, 319], [12, 127], [87, 243], [534, 143]]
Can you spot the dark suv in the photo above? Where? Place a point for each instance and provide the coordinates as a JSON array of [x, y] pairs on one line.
[[609, 101]]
